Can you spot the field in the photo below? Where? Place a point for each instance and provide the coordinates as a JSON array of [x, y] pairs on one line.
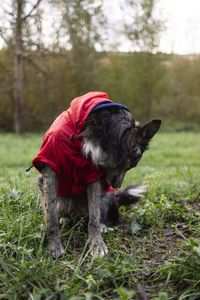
[[153, 254]]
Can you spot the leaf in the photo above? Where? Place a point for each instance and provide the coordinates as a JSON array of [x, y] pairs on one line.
[[88, 296], [137, 224], [122, 209], [125, 293], [196, 251], [191, 244], [162, 296]]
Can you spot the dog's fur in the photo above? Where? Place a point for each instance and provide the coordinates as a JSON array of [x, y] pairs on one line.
[[115, 145]]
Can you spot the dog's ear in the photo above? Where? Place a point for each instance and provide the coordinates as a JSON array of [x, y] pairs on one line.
[[141, 135], [150, 129]]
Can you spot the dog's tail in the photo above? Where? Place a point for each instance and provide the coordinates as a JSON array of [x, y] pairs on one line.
[[131, 194]]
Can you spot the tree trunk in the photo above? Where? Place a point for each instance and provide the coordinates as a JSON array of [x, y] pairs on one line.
[[18, 72]]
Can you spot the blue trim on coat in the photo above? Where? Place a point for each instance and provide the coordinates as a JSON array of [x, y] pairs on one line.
[[106, 104]]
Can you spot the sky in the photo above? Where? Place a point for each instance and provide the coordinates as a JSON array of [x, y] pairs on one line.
[[182, 22], [183, 26]]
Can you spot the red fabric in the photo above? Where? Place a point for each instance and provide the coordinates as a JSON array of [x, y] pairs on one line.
[[61, 148]]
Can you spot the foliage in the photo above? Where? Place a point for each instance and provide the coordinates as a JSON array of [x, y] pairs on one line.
[[144, 28], [17, 36], [172, 85], [184, 270], [6, 91], [82, 20], [151, 84], [184, 94], [160, 261], [147, 70]]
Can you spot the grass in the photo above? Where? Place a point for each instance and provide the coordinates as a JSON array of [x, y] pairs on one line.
[[160, 260]]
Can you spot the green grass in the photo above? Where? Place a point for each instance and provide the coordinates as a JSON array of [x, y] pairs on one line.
[[161, 260]]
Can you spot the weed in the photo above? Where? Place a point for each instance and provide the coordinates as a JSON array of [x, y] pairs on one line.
[[154, 251], [184, 270]]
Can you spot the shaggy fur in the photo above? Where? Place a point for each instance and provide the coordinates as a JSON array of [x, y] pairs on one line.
[[114, 144]]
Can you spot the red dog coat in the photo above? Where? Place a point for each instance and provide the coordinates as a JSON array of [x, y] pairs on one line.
[[62, 148]]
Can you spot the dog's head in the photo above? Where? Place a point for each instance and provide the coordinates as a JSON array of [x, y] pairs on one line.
[[115, 142], [136, 141]]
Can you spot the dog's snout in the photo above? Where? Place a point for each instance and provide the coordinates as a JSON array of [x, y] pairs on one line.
[[112, 181], [116, 182]]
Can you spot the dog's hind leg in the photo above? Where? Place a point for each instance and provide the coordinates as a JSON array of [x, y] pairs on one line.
[[49, 194], [94, 192]]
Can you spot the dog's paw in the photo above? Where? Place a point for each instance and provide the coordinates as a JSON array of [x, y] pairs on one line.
[[56, 249], [98, 247]]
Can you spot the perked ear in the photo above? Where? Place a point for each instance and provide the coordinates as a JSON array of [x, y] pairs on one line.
[[150, 129]]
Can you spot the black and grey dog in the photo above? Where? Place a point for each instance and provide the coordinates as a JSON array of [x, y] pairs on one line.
[[115, 145]]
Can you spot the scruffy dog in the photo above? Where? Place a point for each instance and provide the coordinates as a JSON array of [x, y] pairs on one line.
[[85, 155]]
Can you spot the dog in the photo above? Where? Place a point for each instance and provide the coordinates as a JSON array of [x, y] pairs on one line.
[[84, 156]]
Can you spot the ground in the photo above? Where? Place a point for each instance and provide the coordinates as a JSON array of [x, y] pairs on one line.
[[154, 252]]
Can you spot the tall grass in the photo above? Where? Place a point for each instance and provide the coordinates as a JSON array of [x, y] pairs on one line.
[[161, 260]]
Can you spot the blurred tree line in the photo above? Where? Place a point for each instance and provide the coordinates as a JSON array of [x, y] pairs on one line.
[[37, 83]]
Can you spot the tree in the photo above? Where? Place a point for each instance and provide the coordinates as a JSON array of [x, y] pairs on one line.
[[82, 20], [143, 27], [184, 80], [18, 20], [144, 30]]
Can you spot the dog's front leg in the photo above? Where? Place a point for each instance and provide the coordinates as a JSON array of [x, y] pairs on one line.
[[49, 194], [94, 193]]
